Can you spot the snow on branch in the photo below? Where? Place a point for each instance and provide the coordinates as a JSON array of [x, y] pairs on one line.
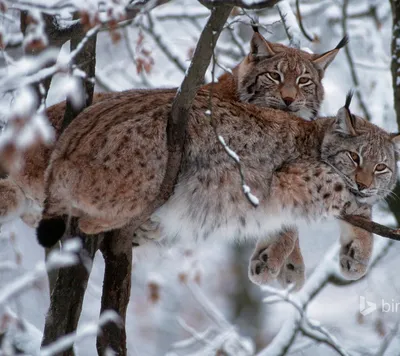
[[57, 259], [290, 24], [222, 338], [157, 35], [90, 329], [245, 4]]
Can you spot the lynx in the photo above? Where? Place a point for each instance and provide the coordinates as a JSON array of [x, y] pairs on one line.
[[252, 81], [106, 171]]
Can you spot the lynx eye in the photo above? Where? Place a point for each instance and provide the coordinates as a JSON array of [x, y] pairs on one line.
[[274, 76], [303, 80], [380, 167], [355, 157]]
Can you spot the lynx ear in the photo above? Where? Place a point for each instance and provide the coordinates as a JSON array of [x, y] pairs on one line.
[[260, 47], [395, 137], [345, 121], [326, 58]]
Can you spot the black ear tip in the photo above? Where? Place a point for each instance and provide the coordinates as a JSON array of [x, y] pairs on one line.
[[254, 24], [50, 231], [349, 96], [343, 42]]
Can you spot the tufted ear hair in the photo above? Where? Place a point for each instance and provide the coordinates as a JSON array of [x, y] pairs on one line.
[[326, 58], [259, 46], [345, 120]]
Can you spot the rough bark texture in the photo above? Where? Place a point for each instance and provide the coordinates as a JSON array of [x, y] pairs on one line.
[[68, 291], [86, 59], [117, 253], [117, 246], [67, 296], [394, 202]]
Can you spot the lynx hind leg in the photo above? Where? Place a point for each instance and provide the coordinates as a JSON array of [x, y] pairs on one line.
[[356, 250], [12, 200], [270, 254], [293, 270]]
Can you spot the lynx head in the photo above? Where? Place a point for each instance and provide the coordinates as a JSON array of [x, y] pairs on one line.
[[284, 78], [362, 153]]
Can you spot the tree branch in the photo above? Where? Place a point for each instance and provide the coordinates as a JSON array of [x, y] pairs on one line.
[[353, 72], [248, 5], [371, 226]]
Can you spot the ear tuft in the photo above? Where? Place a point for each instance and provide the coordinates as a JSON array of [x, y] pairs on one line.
[[325, 59], [343, 42], [254, 24], [349, 96]]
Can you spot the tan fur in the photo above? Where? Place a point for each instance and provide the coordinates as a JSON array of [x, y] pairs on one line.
[[30, 178], [109, 164]]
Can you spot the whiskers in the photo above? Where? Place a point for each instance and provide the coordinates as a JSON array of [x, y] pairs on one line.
[[387, 193]]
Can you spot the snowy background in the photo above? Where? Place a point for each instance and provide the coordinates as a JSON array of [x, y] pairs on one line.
[[204, 290]]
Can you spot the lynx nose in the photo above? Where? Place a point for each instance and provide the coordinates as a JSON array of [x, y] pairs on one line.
[[361, 186], [288, 100]]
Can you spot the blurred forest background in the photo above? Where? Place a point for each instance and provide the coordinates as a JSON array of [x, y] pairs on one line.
[[197, 300]]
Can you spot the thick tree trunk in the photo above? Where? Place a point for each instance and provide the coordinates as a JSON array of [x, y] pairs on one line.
[[394, 202], [67, 296], [117, 253]]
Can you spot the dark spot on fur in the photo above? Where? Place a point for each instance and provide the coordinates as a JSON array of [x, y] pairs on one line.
[[242, 220], [338, 187], [306, 178], [329, 181], [319, 187], [290, 266], [326, 195]]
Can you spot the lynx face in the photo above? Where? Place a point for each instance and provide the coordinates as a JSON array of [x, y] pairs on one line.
[[363, 155], [284, 78]]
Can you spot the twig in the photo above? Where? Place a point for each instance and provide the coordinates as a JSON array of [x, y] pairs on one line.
[[301, 25], [163, 46], [245, 4], [350, 60]]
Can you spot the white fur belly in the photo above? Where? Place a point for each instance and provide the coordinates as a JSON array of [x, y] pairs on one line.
[[178, 224]]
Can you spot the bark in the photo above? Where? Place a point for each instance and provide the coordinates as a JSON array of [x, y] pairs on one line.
[[86, 59], [117, 246], [117, 253], [394, 201], [68, 291], [67, 297]]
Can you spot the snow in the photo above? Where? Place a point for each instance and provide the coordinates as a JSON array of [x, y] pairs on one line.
[[216, 310]]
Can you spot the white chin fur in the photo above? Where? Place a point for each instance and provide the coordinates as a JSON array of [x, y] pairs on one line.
[[304, 114]]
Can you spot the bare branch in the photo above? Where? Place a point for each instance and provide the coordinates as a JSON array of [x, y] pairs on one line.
[[301, 25], [163, 46], [372, 226], [353, 71], [249, 5]]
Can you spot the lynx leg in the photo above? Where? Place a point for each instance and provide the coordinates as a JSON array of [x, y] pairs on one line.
[[12, 200], [293, 270], [356, 250], [270, 254], [92, 226]]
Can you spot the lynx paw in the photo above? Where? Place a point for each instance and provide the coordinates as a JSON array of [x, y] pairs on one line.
[[292, 273], [148, 231], [264, 266], [353, 260]]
